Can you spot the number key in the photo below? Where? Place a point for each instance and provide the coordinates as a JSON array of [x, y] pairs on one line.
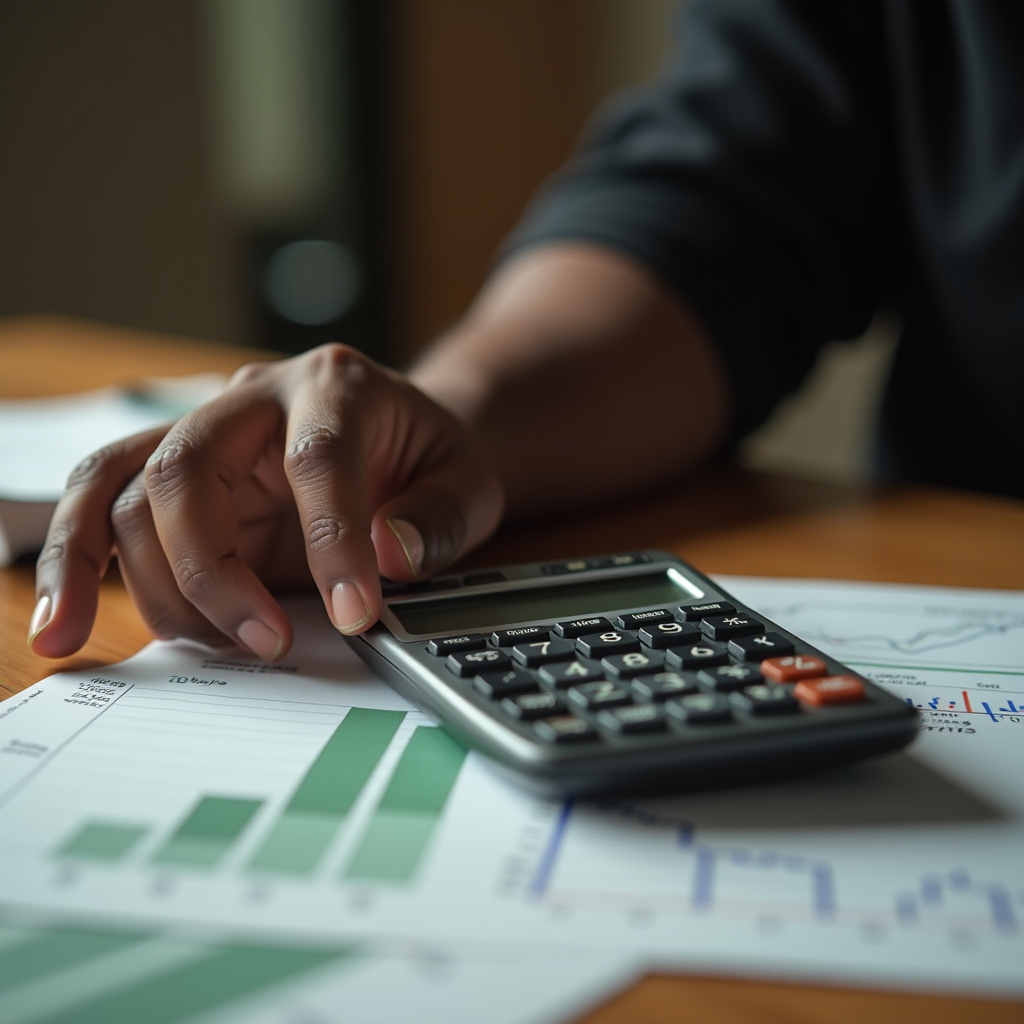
[[570, 673], [613, 641], [707, 652], [602, 694], [636, 663], [539, 652], [471, 663], [661, 635]]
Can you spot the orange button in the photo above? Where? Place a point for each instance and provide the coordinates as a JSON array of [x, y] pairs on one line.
[[793, 668], [830, 690]]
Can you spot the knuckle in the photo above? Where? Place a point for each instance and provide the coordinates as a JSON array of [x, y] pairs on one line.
[[312, 453], [251, 373], [168, 467], [341, 362], [130, 506], [195, 580], [326, 531], [93, 467]]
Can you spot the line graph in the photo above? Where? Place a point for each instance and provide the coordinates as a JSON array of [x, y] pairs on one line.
[[694, 875]]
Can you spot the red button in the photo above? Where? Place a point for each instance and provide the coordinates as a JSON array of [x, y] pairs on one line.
[[830, 690], [793, 668]]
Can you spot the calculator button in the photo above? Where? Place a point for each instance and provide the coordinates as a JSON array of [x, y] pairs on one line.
[[634, 719], [473, 662], [664, 685], [563, 568], [612, 641], [755, 648], [602, 694], [766, 699], [830, 690], [533, 705], [634, 620], [697, 656], [569, 673], [539, 652], [700, 709], [696, 612], [661, 635], [636, 663], [793, 669], [723, 627], [443, 645], [725, 678], [510, 637], [565, 729], [504, 684], [577, 627]]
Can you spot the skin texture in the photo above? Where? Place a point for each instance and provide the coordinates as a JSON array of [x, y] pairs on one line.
[[328, 470]]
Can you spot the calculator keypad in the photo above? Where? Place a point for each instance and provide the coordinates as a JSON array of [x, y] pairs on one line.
[[695, 667]]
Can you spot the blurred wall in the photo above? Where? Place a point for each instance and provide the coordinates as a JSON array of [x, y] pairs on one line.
[[107, 207]]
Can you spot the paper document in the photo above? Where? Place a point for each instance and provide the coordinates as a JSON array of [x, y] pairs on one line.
[[307, 801], [43, 439]]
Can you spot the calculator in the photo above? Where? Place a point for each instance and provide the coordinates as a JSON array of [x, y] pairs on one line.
[[629, 673]]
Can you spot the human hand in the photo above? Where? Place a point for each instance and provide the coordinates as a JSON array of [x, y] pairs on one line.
[[323, 470]]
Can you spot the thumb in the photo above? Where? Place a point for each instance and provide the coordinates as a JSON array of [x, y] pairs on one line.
[[435, 522]]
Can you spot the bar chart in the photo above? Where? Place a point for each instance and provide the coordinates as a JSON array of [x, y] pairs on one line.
[[396, 769]]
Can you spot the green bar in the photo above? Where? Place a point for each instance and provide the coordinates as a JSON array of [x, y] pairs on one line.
[[199, 987], [296, 843], [397, 836], [100, 840], [347, 760], [207, 833], [55, 951], [425, 774], [326, 793]]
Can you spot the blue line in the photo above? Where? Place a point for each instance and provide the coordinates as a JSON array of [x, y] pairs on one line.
[[931, 889], [824, 893], [906, 908], [704, 872], [959, 879], [547, 863], [1002, 909]]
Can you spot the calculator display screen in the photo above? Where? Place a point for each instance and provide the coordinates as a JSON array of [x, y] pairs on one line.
[[556, 601]]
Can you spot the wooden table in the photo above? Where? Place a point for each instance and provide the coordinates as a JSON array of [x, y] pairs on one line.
[[731, 522]]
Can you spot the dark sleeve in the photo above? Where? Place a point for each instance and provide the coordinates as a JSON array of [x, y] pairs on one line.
[[749, 179]]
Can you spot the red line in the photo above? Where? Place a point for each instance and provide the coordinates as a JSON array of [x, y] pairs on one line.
[[967, 701]]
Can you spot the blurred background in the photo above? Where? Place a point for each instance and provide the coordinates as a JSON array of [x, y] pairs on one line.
[[280, 173]]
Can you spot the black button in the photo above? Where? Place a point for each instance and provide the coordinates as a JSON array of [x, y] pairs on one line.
[[611, 641], [638, 718], [508, 637], [533, 705], [539, 652], [662, 635], [565, 729], [443, 645], [474, 662], [634, 620], [621, 560], [602, 694], [696, 612], [561, 568], [766, 700], [570, 673], [726, 678], [625, 666], [723, 627], [577, 627], [700, 709], [478, 579], [706, 652], [757, 648], [504, 684], [664, 685]]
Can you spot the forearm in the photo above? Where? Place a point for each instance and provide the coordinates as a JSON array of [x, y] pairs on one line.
[[583, 377]]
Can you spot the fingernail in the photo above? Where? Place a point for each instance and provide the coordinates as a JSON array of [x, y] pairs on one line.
[[261, 639], [412, 542], [40, 617], [349, 610]]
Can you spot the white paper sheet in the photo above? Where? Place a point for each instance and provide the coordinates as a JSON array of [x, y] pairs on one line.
[[905, 871]]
